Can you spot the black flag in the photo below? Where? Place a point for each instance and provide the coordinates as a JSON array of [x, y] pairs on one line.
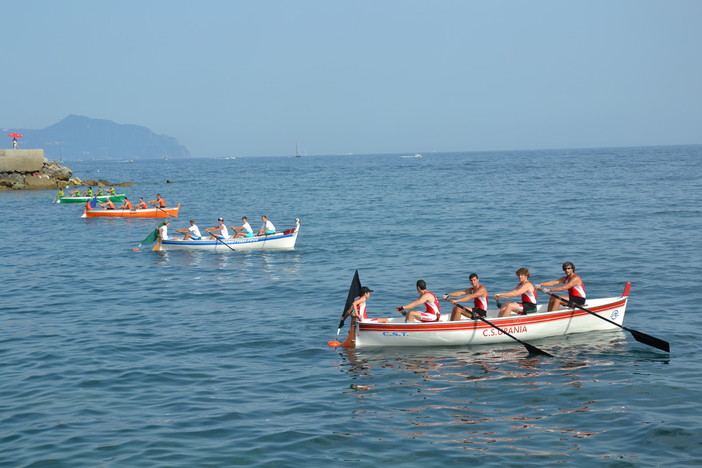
[[354, 292]]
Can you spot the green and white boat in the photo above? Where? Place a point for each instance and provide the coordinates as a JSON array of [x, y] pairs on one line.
[[118, 197]]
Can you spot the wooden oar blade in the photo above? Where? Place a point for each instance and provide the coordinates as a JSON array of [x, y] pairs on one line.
[[649, 340]]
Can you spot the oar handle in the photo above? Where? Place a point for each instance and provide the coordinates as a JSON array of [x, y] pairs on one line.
[[574, 305]]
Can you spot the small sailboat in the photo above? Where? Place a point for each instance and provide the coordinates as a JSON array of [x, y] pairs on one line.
[[297, 150]]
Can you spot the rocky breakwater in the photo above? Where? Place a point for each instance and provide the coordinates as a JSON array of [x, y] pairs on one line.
[[30, 170]]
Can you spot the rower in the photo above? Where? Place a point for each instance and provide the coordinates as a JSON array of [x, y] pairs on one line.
[[477, 293], [525, 290], [142, 204], [159, 202], [571, 283], [108, 205], [127, 205]]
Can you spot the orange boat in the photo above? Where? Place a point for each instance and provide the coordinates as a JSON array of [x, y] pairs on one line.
[[144, 213]]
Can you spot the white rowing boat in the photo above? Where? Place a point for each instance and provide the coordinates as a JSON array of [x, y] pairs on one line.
[[284, 240], [541, 324]]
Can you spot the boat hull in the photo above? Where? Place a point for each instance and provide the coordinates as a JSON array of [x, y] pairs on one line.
[[100, 198], [145, 213], [468, 332], [284, 240]]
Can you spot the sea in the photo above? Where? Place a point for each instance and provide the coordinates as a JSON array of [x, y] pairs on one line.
[[116, 357]]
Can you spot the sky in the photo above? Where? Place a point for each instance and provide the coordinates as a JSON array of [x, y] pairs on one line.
[[253, 78]]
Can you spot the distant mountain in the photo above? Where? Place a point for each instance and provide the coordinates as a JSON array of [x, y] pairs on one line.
[[78, 137]]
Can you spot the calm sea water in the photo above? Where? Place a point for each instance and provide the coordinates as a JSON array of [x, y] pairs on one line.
[[116, 357]]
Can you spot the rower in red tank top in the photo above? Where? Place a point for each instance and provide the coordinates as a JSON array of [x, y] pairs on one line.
[[431, 303], [571, 283], [476, 292], [525, 290]]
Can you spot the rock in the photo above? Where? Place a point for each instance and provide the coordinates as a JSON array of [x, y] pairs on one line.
[[40, 182], [55, 171], [10, 179], [51, 176]]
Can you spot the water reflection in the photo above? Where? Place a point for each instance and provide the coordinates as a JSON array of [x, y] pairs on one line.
[[447, 395], [273, 264], [162, 257]]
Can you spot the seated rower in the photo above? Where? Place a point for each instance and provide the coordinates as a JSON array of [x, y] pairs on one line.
[[127, 205], [477, 293], [526, 290], [267, 227], [431, 303], [108, 205], [571, 283], [244, 230], [220, 228], [192, 232], [159, 202], [142, 205]]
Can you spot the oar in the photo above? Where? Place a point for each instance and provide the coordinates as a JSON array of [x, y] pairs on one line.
[[220, 240], [166, 211], [638, 336], [532, 349]]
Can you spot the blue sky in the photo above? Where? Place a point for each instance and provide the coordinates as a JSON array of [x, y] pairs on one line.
[[234, 78]]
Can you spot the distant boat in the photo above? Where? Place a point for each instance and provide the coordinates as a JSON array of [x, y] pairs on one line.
[[133, 213], [416, 155], [118, 197], [297, 150], [281, 240]]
